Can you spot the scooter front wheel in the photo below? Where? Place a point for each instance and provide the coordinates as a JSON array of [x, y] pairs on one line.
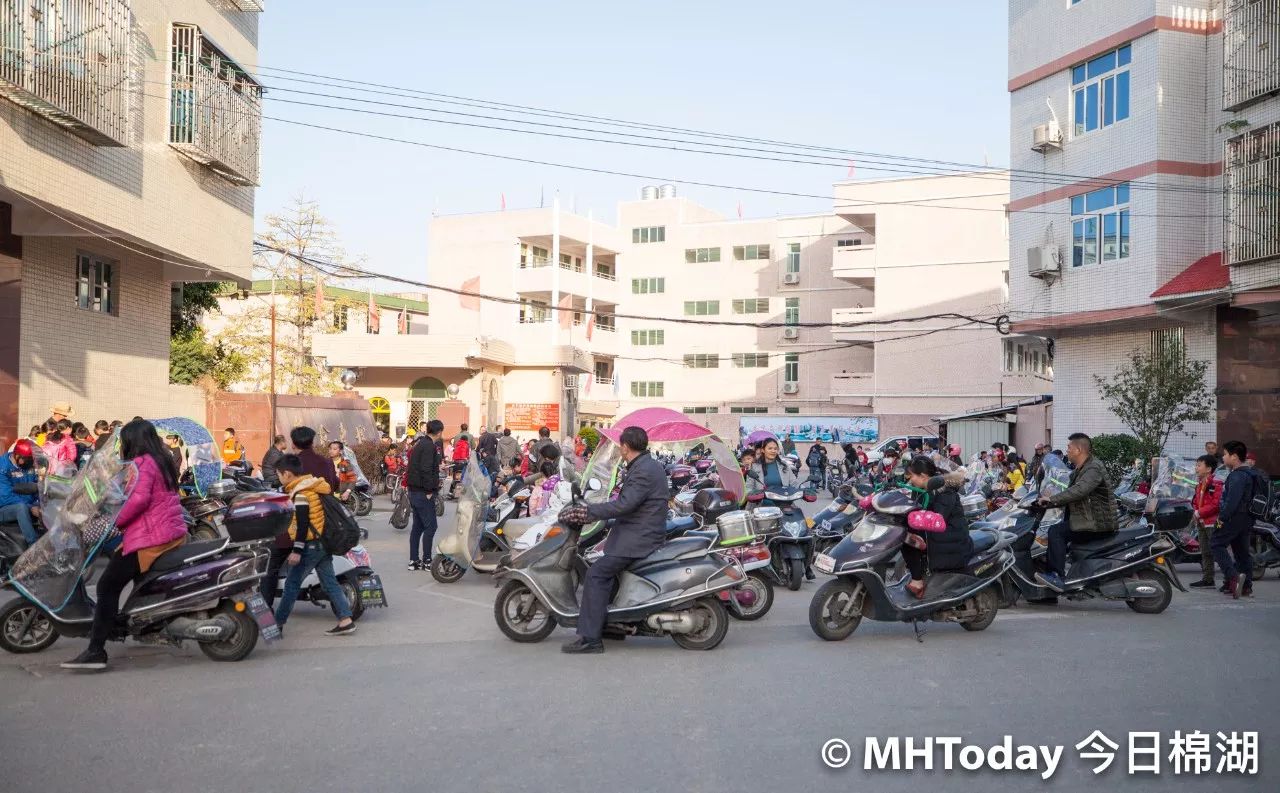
[[714, 626], [25, 628], [520, 615], [796, 576], [836, 609], [759, 586], [364, 504], [445, 570]]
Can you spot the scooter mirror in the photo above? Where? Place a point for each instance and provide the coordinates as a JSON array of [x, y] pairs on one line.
[[593, 485]]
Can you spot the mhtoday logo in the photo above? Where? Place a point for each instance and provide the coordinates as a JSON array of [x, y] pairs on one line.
[[946, 752]]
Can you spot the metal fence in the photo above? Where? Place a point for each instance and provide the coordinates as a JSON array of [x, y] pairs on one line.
[[1251, 179], [215, 108], [1250, 51]]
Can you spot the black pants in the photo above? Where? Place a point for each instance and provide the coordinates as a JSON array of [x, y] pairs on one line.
[[121, 569], [267, 586], [596, 590], [917, 562], [1237, 542], [1061, 538]]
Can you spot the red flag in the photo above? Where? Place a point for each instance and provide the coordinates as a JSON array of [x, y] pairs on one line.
[[402, 327], [504, 202], [590, 375], [319, 296], [850, 169], [471, 300], [591, 325], [375, 318], [566, 311]]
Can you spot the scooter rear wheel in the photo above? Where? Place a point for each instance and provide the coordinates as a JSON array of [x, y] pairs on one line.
[[1153, 605], [831, 599], [25, 628], [400, 515], [445, 570], [763, 591], [520, 615], [241, 643], [352, 592], [715, 626], [988, 604]]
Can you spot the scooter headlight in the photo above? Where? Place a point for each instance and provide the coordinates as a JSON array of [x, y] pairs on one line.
[[870, 529]]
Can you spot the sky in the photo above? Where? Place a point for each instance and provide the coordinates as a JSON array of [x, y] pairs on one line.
[[924, 78]]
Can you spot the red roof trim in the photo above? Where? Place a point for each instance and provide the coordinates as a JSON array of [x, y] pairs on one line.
[[1206, 274]]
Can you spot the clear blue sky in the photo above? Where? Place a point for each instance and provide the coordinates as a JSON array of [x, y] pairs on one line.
[[919, 78]]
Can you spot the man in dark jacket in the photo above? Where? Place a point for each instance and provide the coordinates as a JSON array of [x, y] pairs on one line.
[[1235, 524], [639, 514], [1090, 505], [271, 459], [423, 483]]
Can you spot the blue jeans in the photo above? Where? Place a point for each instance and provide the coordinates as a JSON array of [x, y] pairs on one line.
[[424, 525], [21, 515], [314, 557]]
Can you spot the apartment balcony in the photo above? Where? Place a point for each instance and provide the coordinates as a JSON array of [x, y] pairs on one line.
[[854, 263], [537, 275], [215, 108], [853, 316], [853, 388], [1250, 56], [69, 62]]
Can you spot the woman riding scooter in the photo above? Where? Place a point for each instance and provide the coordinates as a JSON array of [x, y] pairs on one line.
[[946, 550], [769, 470]]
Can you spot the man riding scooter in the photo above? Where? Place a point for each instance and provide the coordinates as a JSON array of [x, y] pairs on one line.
[[640, 527], [18, 489], [1091, 509]]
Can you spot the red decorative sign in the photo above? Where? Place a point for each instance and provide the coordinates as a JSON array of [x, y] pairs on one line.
[[533, 416]]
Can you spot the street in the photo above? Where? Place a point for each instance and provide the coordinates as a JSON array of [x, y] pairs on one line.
[[428, 695]]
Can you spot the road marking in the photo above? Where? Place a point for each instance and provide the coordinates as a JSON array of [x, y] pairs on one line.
[[428, 589]]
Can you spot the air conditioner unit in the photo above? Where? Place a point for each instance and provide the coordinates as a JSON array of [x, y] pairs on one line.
[[1044, 262], [791, 278], [790, 333], [790, 388], [1045, 137]]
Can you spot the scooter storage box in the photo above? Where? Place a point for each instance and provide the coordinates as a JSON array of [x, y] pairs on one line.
[[767, 520], [975, 505], [259, 517], [735, 528], [712, 502], [222, 489], [1133, 502], [1173, 515], [682, 504]]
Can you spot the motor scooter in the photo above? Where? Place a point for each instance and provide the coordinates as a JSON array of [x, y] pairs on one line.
[[498, 525], [778, 520], [360, 584]]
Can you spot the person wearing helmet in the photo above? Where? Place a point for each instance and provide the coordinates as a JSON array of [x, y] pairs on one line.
[[18, 489]]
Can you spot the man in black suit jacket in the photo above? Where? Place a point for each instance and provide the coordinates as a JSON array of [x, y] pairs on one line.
[[640, 519]]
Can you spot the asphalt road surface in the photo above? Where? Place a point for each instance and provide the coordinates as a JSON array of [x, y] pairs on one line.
[[428, 695]]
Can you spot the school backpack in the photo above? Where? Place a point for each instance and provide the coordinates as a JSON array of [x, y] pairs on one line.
[[1261, 498], [341, 532], [461, 450]]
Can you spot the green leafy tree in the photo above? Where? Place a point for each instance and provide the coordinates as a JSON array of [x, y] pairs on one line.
[[1156, 394], [1117, 453], [192, 357], [591, 437]]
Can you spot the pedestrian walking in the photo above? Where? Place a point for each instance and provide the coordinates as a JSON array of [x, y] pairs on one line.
[[1230, 537], [1206, 501], [423, 483], [307, 551], [508, 449], [303, 438]]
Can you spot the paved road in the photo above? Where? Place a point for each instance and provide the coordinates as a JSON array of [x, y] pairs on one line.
[[430, 696]]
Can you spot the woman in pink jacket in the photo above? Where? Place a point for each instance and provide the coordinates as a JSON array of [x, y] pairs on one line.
[[151, 523]]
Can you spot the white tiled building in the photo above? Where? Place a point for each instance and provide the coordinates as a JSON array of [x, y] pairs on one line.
[[1129, 120], [128, 155]]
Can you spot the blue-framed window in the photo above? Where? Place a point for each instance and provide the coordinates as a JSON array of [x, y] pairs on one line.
[[1100, 91], [1100, 225]]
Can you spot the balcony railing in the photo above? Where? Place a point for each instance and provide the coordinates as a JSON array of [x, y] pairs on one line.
[[68, 60], [250, 5], [606, 275], [215, 108], [1250, 51], [1252, 182]]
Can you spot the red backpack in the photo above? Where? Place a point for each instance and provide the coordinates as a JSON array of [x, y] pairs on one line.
[[461, 450]]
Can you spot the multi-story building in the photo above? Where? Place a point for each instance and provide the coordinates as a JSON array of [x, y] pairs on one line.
[[1146, 198], [593, 320], [128, 154]]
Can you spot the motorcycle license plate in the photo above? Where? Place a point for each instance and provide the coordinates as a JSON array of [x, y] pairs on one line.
[[262, 614], [371, 591], [824, 563]]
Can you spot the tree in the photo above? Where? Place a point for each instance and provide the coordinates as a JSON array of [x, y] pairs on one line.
[[301, 232], [191, 356], [1157, 393], [1117, 453]]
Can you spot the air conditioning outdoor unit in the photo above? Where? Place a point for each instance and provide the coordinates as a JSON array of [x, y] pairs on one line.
[[1044, 262], [790, 333], [790, 388], [1046, 137], [791, 278]]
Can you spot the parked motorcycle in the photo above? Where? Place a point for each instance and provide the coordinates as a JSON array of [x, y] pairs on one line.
[[673, 591], [779, 522], [837, 518], [482, 533], [970, 597], [354, 571]]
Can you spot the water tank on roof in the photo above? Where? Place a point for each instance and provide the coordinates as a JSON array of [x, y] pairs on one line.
[[667, 191], [648, 193]]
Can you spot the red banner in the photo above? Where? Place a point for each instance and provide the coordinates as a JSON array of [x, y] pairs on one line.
[[532, 417]]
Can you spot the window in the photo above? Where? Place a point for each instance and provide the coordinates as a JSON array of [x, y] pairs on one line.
[[1166, 341], [534, 312], [847, 243], [568, 262], [793, 257], [751, 305], [1100, 225], [646, 388], [791, 368], [1250, 62], [1252, 201], [1100, 91], [648, 338], [95, 284], [215, 107], [648, 286], [533, 256], [751, 360], [702, 409], [649, 234], [701, 308], [1008, 356], [792, 411], [339, 318], [1021, 357], [606, 322], [748, 410], [748, 253], [692, 255], [701, 360], [792, 314], [405, 325]]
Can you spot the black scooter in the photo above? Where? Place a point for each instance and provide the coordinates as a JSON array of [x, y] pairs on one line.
[[791, 542], [970, 596]]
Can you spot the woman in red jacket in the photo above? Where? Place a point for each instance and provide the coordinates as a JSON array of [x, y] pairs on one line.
[[151, 523], [1206, 500]]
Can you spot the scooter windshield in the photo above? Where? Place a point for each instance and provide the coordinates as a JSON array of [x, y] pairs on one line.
[[473, 499], [1056, 477], [1176, 478], [47, 573]]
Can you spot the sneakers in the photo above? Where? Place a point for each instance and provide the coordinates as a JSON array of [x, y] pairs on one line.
[[1246, 590], [581, 646], [341, 630], [1204, 584], [89, 660], [1052, 580], [1233, 587], [414, 565]]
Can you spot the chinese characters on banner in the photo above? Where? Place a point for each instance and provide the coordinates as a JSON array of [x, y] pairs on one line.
[[532, 417]]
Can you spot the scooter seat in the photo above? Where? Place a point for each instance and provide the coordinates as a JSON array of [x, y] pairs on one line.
[[673, 549], [681, 524], [983, 539], [981, 525], [516, 527], [172, 560], [1106, 542]]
